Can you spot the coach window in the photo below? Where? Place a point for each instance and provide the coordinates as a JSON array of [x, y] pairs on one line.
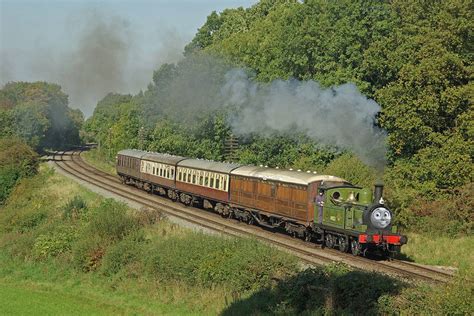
[[189, 176], [194, 177], [172, 173], [225, 184], [217, 183], [211, 182]]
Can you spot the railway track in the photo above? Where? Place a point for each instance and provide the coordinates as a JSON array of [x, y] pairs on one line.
[[310, 253]]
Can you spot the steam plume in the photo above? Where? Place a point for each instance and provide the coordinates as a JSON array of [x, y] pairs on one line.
[[338, 116]]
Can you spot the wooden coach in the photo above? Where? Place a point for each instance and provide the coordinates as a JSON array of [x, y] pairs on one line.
[[159, 169], [204, 178], [128, 163], [281, 193]]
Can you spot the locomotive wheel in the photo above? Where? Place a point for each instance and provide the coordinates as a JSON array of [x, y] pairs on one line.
[[343, 244], [355, 248], [329, 241]]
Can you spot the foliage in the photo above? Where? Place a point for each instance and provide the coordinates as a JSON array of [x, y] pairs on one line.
[[349, 167], [321, 290], [38, 114], [17, 160], [54, 243], [74, 207]]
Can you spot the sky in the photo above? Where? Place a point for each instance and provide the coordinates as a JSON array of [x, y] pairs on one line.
[[94, 47]]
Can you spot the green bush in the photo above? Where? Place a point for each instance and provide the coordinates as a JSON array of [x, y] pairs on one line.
[[333, 289], [110, 221], [54, 243], [17, 160], [8, 178], [28, 221], [123, 253], [209, 260], [74, 207], [87, 254], [352, 169]]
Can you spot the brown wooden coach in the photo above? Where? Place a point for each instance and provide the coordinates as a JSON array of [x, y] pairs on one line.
[[275, 192]]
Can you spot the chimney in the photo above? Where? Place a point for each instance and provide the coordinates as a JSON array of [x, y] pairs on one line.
[[378, 192]]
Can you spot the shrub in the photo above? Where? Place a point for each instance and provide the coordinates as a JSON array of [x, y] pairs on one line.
[[8, 178], [455, 298], [28, 221], [148, 216], [123, 253], [110, 221], [334, 289], [17, 160], [209, 260], [87, 254], [74, 207], [54, 243]]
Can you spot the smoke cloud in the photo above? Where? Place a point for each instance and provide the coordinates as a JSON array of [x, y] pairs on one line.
[[97, 64], [105, 56], [339, 116]]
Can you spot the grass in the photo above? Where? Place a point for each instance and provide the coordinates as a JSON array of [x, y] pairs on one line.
[[95, 158], [34, 299], [441, 251]]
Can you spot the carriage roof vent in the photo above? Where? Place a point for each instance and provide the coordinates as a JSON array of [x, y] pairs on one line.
[[314, 172], [299, 170], [291, 169]]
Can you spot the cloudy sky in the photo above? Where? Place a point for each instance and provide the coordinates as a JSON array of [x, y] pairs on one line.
[[94, 47]]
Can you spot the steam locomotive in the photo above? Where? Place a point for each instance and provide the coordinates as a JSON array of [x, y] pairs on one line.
[[307, 205]]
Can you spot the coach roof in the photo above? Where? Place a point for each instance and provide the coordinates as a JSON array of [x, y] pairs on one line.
[[132, 153], [210, 165], [163, 158], [282, 175]]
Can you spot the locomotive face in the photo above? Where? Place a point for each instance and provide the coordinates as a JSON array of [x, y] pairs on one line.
[[380, 217]]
